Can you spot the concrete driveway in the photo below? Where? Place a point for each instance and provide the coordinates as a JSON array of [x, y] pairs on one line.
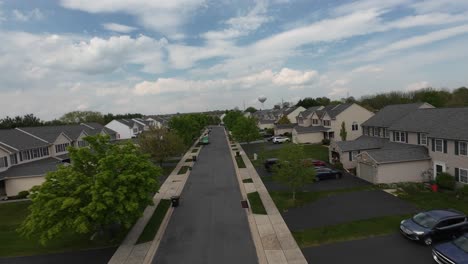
[[346, 207], [388, 249]]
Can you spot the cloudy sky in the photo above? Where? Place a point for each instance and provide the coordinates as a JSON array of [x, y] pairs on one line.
[[193, 55]]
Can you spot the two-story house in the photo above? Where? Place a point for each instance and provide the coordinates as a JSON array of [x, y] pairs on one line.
[[128, 128], [321, 123], [374, 133], [28, 153], [430, 141]]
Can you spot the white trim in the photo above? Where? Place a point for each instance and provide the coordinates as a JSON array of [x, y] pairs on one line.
[[444, 167], [459, 148], [83, 124], [459, 175], [1, 143], [32, 135], [435, 145]]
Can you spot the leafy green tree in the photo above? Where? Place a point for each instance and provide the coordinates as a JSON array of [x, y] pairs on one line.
[[245, 129], [189, 126], [323, 101], [109, 117], [307, 102], [106, 185], [161, 144], [82, 117], [230, 119], [459, 97], [292, 170], [28, 120], [284, 120], [251, 109], [343, 132]]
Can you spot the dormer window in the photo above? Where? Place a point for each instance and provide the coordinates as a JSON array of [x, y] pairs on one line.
[[399, 136], [326, 122]]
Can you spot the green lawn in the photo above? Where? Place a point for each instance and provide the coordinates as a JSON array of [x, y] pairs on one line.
[[349, 231], [156, 219], [12, 244], [240, 162], [284, 201], [247, 180], [313, 151], [183, 170], [256, 203]]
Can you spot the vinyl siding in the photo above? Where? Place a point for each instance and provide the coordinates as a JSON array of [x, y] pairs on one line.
[[16, 185], [354, 113]]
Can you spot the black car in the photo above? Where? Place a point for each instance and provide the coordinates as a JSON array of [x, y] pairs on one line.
[[322, 173], [455, 251], [426, 227]]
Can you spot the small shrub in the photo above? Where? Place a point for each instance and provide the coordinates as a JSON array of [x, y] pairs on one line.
[[338, 166], [325, 142], [463, 192], [22, 195], [445, 181], [411, 187], [287, 134]]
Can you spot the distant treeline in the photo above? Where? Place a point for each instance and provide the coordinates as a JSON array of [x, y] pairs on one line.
[[435, 97], [75, 117]]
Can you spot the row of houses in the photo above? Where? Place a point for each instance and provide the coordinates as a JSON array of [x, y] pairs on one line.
[[131, 128], [28, 153], [399, 143]]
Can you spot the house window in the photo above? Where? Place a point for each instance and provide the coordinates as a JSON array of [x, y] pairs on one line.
[[315, 121], [400, 137], [82, 143], [326, 122], [463, 148], [423, 139], [439, 145], [365, 130], [463, 176], [371, 131], [3, 162], [135, 130], [61, 147], [385, 132], [13, 159], [355, 126]]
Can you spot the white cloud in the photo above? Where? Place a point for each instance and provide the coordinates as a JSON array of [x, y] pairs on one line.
[[356, 6], [418, 86], [285, 78], [242, 25], [440, 6], [368, 69], [118, 27], [162, 16], [26, 16]]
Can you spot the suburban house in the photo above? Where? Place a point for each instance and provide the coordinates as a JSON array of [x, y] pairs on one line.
[[374, 133], [420, 145], [156, 121], [128, 128], [28, 153], [267, 119], [324, 122]]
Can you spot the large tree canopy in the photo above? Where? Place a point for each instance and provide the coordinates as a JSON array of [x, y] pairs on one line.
[[245, 129], [189, 126], [231, 117], [161, 144], [20, 121], [106, 185], [82, 117]]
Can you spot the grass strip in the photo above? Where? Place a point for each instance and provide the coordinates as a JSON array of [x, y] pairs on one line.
[[247, 180], [152, 226], [284, 201], [256, 203], [183, 170], [349, 231], [240, 162]]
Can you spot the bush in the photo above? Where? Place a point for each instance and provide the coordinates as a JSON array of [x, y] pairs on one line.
[[22, 195], [445, 181], [463, 192], [338, 166], [287, 134], [325, 142]]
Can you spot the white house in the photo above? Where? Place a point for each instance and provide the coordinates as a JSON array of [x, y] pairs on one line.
[[127, 128]]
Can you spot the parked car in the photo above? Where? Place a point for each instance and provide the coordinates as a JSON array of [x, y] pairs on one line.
[[279, 140], [455, 251], [429, 226], [269, 163], [270, 138], [323, 173], [316, 163]]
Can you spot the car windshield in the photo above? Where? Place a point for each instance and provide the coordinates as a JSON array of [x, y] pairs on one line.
[[424, 220], [462, 243]]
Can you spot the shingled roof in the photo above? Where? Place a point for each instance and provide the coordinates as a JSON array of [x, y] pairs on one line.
[[362, 143], [35, 168], [447, 123], [393, 152], [392, 113], [310, 129], [13, 139]]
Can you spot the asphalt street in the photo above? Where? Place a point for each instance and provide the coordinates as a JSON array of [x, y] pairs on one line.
[[209, 226]]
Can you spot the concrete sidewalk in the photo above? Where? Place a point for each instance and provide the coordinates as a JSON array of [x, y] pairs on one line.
[[270, 232], [131, 253]]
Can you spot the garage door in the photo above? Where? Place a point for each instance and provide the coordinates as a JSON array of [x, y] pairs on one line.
[[366, 172]]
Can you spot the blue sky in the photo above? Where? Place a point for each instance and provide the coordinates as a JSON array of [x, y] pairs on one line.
[[194, 55]]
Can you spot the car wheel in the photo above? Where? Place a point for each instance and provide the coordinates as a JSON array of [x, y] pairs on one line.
[[427, 241]]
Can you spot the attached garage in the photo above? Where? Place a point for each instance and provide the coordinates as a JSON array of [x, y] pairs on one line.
[[394, 163], [311, 134]]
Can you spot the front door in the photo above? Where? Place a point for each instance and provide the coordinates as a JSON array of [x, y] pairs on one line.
[[438, 168]]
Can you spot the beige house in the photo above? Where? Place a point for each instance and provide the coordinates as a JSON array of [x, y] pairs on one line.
[[318, 123], [420, 145], [266, 119], [28, 154]]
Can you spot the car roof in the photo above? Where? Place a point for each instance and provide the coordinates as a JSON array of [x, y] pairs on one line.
[[272, 159], [444, 213]]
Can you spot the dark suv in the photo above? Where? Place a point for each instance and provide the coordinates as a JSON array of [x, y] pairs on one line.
[[453, 252], [434, 225]]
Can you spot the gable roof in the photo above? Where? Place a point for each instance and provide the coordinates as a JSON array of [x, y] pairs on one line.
[[310, 110], [96, 128], [362, 143], [392, 113], [51, 133], [13, 139], [334, 110], [447, 123], [399, 152], [281, 126], [35, 168]]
